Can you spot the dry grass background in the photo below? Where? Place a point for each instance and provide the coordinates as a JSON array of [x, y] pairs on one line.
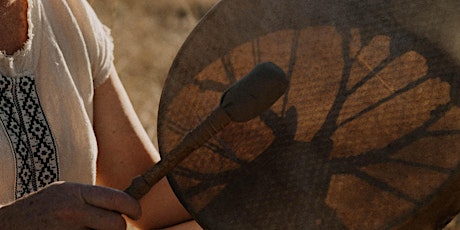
[[147, 35]]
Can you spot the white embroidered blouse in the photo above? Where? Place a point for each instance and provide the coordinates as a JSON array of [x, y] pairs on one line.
[[46, 98]]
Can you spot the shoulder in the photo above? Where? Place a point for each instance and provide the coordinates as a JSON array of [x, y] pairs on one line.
[[78, 25], [75, 14]]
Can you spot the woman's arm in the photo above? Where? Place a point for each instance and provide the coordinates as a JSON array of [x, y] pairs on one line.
[[125, 151]]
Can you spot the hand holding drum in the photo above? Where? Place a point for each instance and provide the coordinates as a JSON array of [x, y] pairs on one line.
[[243, 101]]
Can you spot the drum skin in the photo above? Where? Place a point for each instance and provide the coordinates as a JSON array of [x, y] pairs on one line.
[[367, 135]]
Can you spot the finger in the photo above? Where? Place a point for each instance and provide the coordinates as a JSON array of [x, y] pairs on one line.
[[112, 199], [102, 219]]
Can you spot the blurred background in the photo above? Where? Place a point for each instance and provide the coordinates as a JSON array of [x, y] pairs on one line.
[[147, 35]]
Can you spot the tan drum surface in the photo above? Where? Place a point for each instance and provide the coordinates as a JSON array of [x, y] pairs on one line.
[[367, 135]]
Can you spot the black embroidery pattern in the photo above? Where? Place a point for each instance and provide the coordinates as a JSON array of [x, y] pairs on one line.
[[30, 135]]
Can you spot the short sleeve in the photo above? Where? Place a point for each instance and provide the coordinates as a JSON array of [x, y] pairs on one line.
[[98, 40]]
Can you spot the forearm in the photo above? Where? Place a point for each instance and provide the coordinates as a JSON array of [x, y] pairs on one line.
[[189, 225], [125, 153], [161, 208]]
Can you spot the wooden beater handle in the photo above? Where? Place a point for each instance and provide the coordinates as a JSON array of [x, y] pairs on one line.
[[243, 101]]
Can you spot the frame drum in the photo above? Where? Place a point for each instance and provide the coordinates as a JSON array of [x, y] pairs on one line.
[[367, 135]]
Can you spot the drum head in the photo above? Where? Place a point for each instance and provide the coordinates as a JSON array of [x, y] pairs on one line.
[[367, 135]]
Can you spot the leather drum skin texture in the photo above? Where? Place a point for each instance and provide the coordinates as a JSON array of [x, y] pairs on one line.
[[367, 135]]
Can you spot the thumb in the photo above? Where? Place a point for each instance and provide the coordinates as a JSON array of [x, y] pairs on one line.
[[112, 199]]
